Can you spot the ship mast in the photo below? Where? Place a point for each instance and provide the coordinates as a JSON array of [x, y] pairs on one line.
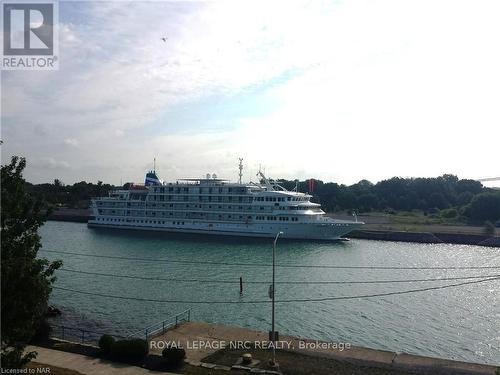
[[263, 177], [240, 167]]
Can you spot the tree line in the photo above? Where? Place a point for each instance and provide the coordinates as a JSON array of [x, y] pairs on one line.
[[77, 195], [453, 198]]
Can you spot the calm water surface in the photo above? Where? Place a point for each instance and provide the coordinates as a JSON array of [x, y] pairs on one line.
[[458, 323]]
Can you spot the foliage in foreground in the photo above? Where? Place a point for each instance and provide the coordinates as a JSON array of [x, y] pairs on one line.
[[130, 351], [173, 356], [106, 343], [26, 279]]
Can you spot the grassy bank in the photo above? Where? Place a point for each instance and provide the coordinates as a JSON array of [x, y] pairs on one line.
[[415, 221]]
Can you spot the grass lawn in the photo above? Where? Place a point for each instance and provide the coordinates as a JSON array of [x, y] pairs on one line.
[[416, 221]]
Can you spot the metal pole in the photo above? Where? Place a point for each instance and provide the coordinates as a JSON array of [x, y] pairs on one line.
[[273, 332], [241, 285]]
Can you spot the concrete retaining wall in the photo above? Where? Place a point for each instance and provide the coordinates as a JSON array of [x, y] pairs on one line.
[[427, 237]]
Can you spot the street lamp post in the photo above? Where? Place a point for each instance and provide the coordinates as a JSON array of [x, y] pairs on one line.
[[273, 332]]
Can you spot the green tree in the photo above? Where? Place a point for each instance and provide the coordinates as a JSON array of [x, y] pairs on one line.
[[464, 198], [438, 200], [367, 201], [26, 279], [485, 206]]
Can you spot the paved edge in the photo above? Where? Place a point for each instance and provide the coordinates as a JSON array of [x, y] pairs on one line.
[[86, 365]]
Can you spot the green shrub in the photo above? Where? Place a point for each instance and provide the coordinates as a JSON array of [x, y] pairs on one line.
[[42, 332], [105, 343], [449, 213], [129, 351], [173, 356], [485, 206]]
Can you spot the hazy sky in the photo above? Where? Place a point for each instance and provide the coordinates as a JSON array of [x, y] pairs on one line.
[[340, 91]]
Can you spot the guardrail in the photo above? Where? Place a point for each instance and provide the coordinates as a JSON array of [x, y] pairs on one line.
[[163, 326], [83, 335], [80, 334]]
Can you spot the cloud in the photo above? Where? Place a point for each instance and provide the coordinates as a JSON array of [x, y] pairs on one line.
[[351, 90], [71, 142], [50, 163]]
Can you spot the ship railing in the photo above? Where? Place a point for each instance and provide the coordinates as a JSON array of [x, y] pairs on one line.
[[163, 326]]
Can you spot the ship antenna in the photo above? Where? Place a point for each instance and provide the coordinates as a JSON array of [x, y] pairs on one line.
[[154, 165], [240, 167]]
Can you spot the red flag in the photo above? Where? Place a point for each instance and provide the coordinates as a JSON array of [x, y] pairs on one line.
[[312, 184]]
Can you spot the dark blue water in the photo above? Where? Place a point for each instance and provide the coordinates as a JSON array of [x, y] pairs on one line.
[[458, 323]]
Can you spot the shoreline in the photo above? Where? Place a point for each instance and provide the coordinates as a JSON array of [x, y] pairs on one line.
[[83, 215], [427, 237]]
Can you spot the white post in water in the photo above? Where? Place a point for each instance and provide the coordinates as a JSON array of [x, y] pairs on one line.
[[273, 332]]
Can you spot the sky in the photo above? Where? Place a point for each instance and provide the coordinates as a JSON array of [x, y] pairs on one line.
[[335, 90]]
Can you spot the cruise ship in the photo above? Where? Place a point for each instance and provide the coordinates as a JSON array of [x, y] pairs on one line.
[[215, 206]]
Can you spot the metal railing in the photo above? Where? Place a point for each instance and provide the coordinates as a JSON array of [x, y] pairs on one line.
[[83, 335], [77, 334], [163, 326]]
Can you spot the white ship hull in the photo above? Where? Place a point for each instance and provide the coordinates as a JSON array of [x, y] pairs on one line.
[[331, 230]]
